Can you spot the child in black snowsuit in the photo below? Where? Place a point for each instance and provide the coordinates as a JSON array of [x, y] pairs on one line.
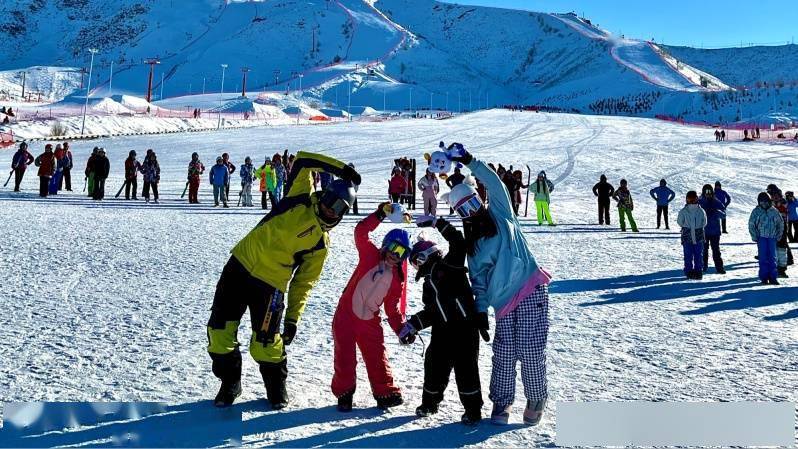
[[450, 309]]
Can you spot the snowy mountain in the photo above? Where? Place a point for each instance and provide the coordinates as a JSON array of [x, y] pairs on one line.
[[385, 54]]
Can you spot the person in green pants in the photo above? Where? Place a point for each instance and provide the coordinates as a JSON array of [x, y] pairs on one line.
[[543, 188], [625, 206]]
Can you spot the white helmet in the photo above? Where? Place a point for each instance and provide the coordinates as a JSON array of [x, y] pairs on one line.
[[465, 200]]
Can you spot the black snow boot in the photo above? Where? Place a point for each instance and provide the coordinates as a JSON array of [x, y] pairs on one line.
[[425, 410], [471, 417], [274, 377], [392, 400], [227, 394], [345, 402], [782, 272]]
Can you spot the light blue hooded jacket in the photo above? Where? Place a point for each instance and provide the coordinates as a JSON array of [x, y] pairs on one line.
[[502, 264]]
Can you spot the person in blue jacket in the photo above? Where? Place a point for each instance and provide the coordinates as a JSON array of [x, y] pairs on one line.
[[792, 215], [219, 178], [504, 275], [724, 198], [663, 195], [715, 212]]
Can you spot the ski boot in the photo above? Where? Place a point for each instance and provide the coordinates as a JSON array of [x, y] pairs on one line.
[[227, 394], [534, 412], [274, 377], [720, 270], [782, 272], [387, 402], [471, 418], [424, 410], [774, 282], [500, 415], [345, 402]]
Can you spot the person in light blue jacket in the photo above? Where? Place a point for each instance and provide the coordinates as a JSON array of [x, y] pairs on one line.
[[219, 178], [504, 275], [663, 195]]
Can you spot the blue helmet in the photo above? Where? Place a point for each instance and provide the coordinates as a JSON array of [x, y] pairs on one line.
[[398, 242]]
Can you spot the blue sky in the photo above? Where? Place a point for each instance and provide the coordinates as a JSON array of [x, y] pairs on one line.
[[708, 23]]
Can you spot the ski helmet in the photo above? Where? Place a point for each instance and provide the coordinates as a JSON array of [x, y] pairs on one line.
[[247, 160], [464, 199], [422, 251], [23, 146], [707, 190], [764, 200], [219, 160], [337, 197], [397, 241], [132, 153]]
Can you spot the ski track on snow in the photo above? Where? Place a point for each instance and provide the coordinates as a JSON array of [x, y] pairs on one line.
[[108, 301]]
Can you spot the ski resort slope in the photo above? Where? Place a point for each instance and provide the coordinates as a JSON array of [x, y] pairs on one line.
[[108, 301], [647, 60]]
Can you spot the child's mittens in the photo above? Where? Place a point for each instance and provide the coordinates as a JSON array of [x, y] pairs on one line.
[[396, 214], [408, 334]]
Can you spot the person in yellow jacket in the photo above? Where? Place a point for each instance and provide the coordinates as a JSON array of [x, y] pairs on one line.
[[281, 257], [268, 182]]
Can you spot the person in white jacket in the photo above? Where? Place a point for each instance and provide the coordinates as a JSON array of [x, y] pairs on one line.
[[766, 226], [693, 220]]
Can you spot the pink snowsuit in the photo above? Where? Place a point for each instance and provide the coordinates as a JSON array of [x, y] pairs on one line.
[[357, 320], [429, 186]]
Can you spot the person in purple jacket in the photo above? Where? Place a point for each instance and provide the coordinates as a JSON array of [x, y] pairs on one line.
[[722, 196]]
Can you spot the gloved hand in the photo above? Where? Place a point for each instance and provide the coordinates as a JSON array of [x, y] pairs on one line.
[[381, 210], [408, 334], [425, 221], [457, 153], [289, 332], [349, 174], [482, 325]]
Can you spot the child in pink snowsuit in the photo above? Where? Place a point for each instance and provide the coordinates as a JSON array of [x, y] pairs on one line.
[[429, 188], [379, 279]]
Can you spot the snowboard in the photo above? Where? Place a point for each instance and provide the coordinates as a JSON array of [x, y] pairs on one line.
[[55, 181]]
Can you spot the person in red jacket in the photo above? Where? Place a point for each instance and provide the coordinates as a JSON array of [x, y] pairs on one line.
[[379, 279], [397, 185], [46, 163]]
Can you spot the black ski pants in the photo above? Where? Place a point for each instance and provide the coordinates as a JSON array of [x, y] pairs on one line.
[[713, 241], [66, 179], [662, 211], [99, 188], [604, 210], [18, 174], [236, 291], [453, 347], [131, 185], [44, 186], [150, 185]]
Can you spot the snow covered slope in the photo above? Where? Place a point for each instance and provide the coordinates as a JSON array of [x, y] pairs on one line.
[[122, 316]]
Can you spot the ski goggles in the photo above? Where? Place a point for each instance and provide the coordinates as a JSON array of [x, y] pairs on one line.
[[469, 206], [420, 258], [398, 250], [333, 202]]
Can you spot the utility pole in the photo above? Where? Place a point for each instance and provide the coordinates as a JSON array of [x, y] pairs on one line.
[[111, 79], [244, 71], [459, 108], [447, 101], [93, 51], [151, 62], [430, 103], [410, 106], [276, 78], [23, 85], [203, 85], [161, 96], [383, 100], [221, 92], [300, 83], [469, 102]]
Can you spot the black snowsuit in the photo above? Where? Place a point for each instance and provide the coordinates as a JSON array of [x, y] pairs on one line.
[[450, 309], [603, 190], [102, 167]]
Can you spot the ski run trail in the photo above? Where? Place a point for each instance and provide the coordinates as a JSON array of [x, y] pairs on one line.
[[108, 301]]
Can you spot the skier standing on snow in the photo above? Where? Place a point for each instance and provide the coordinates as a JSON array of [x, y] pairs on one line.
[[625, 206], [102, 167], [279, 174], [89, 172], [663, 195], [692, 220], [543, 188], [782, 246], [219, 178], [429, 187], [724, 198], [505, 276], [397, 186], [379, 279], [267, 182], [766, 227], [450, 309], [230, 170], [715, 212], [792, 216], [65, 162], [46, 163], [247, 175], [604, 191], [195, 171], [285, 252], [19, 163], [132, 168], [151, 174]]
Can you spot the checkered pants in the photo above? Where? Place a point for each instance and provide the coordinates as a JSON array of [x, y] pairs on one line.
[[521, 336]]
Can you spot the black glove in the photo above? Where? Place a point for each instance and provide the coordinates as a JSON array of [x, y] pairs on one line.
[[464, 157], [408, 333], [349, 174], [482, 325], [289, 332]]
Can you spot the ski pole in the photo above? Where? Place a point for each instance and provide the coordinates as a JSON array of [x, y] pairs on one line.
[[120, 190], [184, 190], [85, 181], [239, 198], [9, 177]]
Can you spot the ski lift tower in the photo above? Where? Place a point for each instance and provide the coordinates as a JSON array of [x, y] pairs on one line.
[[152, 62]]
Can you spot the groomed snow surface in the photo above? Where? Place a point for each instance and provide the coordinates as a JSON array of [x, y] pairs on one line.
[[108, 301]]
